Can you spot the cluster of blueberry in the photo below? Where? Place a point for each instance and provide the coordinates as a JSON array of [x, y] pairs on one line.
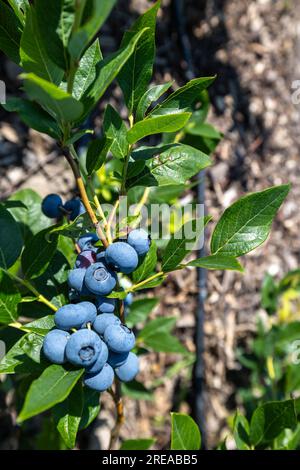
[[89, 334], [53, 207]]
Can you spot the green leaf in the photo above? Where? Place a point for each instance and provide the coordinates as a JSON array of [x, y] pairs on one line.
[[31, 219], [34, 57], [270, 419], [182, 242], [137, 444], [9, 299], [10, 33], [86, 72], [136, 73], [148, 265], [241, 432], [157, 125], [137, 391], [32, 344], [96, 153], [91, 407], [184, 97], [16, 361], [185, 434], [38, 253], [52, 387], [150, 96], [246, 224], [55, 22], [19, 7], [115, 130], [140, 309], [56, 101], [41, 326], [82, 37], [11, 242], [146, 153], [117, 295], [157, 336], [148, 285], [218, 261], [34, 116], [106, 72], [67, 416], [178, 164]]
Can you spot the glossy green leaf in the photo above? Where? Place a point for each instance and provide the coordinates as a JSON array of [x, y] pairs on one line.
[[19, 7], [106, 72], [140, 310], [246, 224], [157, 125], [136, 391], [136, 73], [10, 32], [177, 164], [55, 22], [32, 344], [218, 261], [41, 326], [9, 299], [182, 242], [34, 116], [115, 129], [52, 387], [16, 361], [57, 102], [184, 97], [137, 444], [150, 96], [38, 253], [157, 336], [148, 265], [96, 153], [86, 72], [30, 217], [270, 419], [11, 242], [241, 430], [33, 55], [91, 407], [67, 416], [98, 12], [146, 153], [185, 434]]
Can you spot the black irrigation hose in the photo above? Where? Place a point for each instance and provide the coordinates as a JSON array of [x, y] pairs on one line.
[[199, 368]]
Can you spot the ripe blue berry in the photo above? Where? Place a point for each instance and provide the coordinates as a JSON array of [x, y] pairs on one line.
[[71, 316], [104, 320], [75, 208], [76, 279], [99, 279], [101, 360], [101, 256], [90, 311], [51, 206], [140, 241], [105, 305], [54, 346], [100, 381], [86, 242], [121, 257], [127, 371], [83, 348], [85, 259], [117, 359], [119, 338]]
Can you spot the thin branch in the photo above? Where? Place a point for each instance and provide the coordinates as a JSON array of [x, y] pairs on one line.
[[120, 418]]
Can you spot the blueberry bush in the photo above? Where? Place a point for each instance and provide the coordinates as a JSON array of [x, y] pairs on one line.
[[73, 309]]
